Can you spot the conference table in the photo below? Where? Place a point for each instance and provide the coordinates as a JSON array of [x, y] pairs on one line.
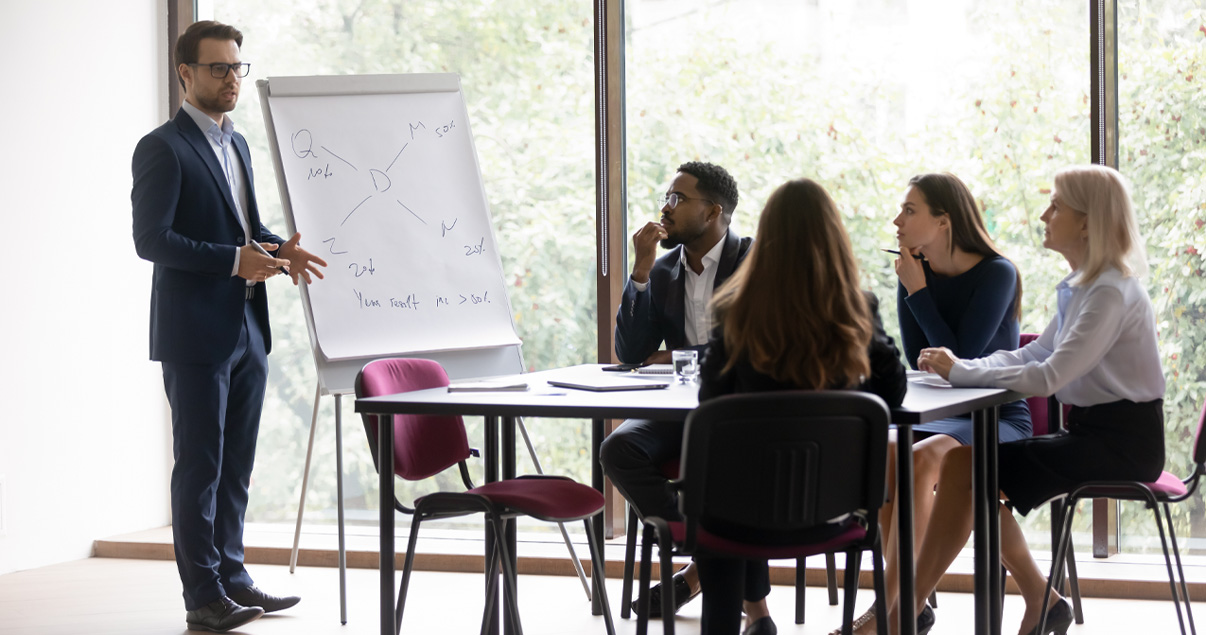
[[928, 399]]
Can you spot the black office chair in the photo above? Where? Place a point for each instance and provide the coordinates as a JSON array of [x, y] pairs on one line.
[[670, 471], [778, 475]]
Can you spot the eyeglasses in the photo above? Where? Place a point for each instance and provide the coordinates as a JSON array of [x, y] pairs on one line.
[[672, 199], [220, 69]]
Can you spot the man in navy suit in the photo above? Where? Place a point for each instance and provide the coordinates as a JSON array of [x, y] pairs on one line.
[[195, 217], [665, 301]]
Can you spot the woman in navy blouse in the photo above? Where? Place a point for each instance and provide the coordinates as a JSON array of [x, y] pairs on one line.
[[957, 291], [1099, 355]]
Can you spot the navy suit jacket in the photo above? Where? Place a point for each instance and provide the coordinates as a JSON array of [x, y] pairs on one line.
[[646, 319], [186, 223]]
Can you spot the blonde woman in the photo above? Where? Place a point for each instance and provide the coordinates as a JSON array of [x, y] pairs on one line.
[[1099, 355]]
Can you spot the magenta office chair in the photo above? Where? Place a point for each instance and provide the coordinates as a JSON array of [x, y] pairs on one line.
[[778, 475], [425, 445], [1164, 491], [1042, 422]]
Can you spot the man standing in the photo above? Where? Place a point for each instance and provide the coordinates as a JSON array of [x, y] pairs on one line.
[[195, 217], [666, 301]]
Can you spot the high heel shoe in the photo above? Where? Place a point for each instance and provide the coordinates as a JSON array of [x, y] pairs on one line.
[[925, 620], [1059, 618]]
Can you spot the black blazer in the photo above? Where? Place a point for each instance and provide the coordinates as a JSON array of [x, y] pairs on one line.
[[646, 319], [185, 222]]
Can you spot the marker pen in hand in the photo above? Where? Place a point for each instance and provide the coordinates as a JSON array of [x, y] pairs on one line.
[[893, 251], [260, 248]]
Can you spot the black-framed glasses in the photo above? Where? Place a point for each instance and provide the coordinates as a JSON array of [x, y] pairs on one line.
[[672, 199], [218, 70]]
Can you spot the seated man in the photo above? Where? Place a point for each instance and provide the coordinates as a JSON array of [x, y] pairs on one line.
[[666, 301]]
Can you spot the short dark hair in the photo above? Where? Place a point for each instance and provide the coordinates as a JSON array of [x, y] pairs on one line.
[[189, 42], [715, 183]]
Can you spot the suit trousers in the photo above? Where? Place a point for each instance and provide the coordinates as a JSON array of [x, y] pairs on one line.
[[632, 457], [215, 423], [725, 583]]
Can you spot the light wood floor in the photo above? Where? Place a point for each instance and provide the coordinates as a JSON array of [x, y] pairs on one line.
[[133, 597]]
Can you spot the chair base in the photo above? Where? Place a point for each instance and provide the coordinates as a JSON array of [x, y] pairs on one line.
[[801, 571]]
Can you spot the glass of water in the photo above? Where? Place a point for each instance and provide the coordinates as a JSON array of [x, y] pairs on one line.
[[686, 366]]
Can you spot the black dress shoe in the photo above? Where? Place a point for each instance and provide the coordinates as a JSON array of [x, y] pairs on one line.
[[682, 595], [221, 615], [252, 596], [1059, 618], [925, 620], [762, 626]]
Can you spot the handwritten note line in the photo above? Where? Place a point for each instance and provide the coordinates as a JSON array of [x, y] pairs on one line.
[[345, 218], [391, 163], [412, 212], [340, 158]]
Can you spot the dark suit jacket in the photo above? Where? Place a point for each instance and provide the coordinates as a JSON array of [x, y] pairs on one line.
[[888, 379], [646, 319], [185, 222]]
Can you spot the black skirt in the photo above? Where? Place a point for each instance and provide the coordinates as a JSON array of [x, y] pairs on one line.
[[1118, 441]]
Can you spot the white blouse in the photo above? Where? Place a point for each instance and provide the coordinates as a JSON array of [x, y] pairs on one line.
[[1101, 347]]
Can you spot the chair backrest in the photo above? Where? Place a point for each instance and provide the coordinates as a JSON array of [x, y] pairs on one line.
[[424, 445], [1040, 423], [778, 464], [1199, 439]]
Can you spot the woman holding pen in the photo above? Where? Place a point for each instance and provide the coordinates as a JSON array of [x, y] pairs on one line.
[[1098, 354], [958, 291]]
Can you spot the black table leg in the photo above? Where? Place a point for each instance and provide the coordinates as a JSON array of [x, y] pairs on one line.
[[385, 475], [904, 532], [992, 489], [507, 452], [598, 569], [984, 569], [490, 431]]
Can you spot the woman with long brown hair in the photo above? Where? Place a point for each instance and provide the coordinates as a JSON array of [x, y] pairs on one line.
[[956, 290], [791, 317]]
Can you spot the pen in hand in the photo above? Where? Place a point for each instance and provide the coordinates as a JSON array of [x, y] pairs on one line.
[[893, 251], [255, 245]]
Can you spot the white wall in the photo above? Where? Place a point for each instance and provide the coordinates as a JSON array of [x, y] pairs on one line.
[[84, 430]]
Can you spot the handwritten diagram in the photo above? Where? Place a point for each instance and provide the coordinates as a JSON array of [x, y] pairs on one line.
[[388, 185]]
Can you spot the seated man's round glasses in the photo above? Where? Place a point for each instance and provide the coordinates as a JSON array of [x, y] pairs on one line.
[[672, 199]]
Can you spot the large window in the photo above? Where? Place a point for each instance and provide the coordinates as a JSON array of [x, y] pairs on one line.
[[525, 68], [860, 95], [857, 94], [1162, 149]]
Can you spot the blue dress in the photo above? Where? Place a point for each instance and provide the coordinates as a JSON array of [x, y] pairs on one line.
[[971, 314]]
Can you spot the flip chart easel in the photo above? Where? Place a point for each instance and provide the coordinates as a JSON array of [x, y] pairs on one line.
[[380, 175]]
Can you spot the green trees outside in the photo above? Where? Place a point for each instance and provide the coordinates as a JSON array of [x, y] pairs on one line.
[[998, 94]]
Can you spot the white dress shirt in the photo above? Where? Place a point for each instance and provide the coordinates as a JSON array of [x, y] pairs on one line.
[[1101, 347], [220, 137], [697, 320]]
